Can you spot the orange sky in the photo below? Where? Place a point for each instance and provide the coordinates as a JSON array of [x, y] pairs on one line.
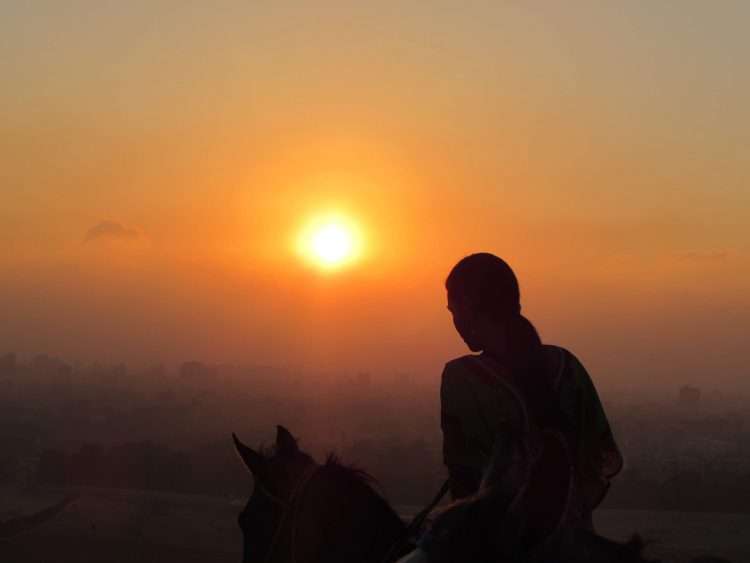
[[602, 150]]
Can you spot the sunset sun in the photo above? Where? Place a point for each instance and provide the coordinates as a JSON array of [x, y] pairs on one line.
[[330, 242]]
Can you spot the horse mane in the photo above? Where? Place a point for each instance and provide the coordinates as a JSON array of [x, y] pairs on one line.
[[354, 476], [338, 470], [388, 535], [347, 471]]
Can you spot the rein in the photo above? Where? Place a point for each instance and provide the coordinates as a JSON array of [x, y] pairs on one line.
[[416, 522]]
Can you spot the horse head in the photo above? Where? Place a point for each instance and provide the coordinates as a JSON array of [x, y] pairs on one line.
[[278, 472]]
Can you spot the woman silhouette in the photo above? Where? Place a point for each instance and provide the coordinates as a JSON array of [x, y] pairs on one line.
[[502, 406]]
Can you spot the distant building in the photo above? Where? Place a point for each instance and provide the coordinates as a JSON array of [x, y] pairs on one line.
[[8, 364], [689, 396], [157, 372], [364, 380], [194, 370], [51, 367]]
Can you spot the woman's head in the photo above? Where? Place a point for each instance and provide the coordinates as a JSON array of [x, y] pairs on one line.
[[483, 297]]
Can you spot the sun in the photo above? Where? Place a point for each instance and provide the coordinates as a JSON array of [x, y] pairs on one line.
[[330, 241], [331, 244]]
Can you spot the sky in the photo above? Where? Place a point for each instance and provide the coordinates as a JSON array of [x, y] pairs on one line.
[[158, 159]]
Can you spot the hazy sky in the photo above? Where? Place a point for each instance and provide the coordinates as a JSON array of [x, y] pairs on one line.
[[157, 158]]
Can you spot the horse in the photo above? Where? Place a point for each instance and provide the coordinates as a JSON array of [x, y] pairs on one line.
[[301, 511]]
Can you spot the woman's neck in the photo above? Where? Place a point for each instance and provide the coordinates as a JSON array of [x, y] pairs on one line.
[[498, 350]]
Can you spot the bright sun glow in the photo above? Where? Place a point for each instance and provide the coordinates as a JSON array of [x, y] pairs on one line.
[[330, 242]]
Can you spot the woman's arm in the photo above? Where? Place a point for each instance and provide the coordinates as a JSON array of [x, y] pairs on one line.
[[601, 440], [464, 481], [464, 471], [599, 457], [481, 422]]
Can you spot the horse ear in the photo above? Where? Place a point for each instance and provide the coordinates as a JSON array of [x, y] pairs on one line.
[[252, 459], [285, 442]]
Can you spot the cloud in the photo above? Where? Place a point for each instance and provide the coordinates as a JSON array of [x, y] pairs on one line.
[[715, 256], [110, 230]]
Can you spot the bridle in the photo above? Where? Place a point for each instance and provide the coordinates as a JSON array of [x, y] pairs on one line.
[[289, 509]]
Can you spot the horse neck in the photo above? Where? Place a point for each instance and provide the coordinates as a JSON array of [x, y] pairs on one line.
[[342, 519]]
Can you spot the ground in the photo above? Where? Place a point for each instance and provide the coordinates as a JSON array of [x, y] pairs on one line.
[[108, 526]]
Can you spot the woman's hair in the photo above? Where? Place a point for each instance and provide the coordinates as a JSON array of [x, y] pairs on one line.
[[488, 283], [491, 287]]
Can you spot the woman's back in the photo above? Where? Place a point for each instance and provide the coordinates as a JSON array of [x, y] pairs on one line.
[[486, 417]]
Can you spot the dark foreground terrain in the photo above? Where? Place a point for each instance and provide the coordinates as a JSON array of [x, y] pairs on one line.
[[108, 525]]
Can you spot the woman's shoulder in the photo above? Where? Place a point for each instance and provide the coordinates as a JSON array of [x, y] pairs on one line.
[[455, 382], [469, 385], [476, 371], [555, 350], [460, 363], [459, 368], [473, 365]]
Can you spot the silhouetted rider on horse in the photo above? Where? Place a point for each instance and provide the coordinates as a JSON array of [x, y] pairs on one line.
[[521, 418]]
